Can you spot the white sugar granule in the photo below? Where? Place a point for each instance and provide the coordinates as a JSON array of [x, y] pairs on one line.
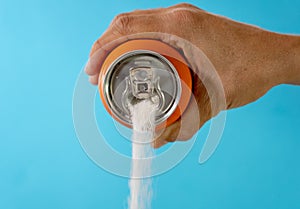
[[140, 184]]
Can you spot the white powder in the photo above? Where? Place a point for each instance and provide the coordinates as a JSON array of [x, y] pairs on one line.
[[143, 115]]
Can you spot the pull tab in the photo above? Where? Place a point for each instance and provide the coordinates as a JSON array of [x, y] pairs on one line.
[[142, 84]]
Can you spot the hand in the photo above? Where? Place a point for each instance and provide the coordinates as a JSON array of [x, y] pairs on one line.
[[246, 61]]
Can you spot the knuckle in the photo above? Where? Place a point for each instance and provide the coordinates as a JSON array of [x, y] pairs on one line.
[[229, 95], [171, 139], [183, 14], [98, 45], [186, 137], [122, 23], [187, 5]]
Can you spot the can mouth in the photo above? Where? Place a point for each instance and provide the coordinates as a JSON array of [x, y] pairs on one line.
[[139, 75]]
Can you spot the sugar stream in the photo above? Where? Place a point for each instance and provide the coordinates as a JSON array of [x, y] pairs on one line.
[[143, 116]]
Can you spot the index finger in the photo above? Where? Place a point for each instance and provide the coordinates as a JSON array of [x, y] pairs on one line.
[[121, 29]]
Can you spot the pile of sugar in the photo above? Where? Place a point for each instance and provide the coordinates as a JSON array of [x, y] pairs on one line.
[[140, 184]]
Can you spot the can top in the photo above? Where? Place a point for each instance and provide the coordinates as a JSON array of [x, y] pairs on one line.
[[167, 56], [139, 75]]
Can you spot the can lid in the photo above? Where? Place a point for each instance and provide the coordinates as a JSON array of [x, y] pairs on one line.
[[139, 69], [138, 75]]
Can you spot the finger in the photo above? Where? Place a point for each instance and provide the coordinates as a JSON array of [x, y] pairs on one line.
[[119, 32], [123, 26], [99, 52], [184, 128], [107, 43], [169, 134], [108, 40], [158, 144], [94, 64], [164, 10], [146, 11], [127, 24], [94, 79], [136, 22]]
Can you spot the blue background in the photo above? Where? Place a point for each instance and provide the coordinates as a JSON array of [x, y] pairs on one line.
[[43, 47]]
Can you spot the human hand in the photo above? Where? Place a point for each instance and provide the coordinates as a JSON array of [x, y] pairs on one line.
[[246, 61]]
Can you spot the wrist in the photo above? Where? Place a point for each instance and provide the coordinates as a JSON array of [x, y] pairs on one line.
[[294, 60]]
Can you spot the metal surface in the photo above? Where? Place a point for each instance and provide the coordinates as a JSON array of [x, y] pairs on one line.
[[139, 75]]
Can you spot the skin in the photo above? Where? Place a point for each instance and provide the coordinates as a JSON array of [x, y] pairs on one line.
[[248, 61]]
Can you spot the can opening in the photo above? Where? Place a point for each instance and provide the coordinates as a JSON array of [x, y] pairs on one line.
[[141, 80]]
